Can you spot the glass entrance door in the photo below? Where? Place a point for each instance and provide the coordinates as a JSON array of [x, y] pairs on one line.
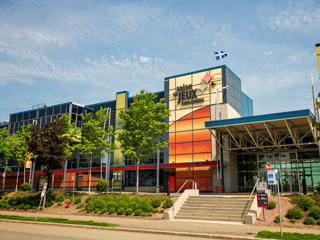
[[290, 181]]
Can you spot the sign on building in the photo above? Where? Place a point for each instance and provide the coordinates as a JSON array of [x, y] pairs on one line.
[[273, 177]]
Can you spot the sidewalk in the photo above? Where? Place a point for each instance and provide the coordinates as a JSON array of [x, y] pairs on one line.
[[175, 226]]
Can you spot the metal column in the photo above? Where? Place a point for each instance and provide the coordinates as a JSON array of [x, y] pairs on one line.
[[32, 174], [65, 175], [4, 177], [221, 164], [157, 172]]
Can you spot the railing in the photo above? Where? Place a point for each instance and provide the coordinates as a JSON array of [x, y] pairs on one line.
[[254, 187], [193, 187]]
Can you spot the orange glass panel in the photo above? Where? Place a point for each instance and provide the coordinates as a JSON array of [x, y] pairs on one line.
[[184, 136], [200, 135], [203, 112], [172, 127], [184, 172], [172, 149], [201, 157], [184, 158], [204, 184], [202, 172], [200, 147], [185, 125], [183, 148], [181, 181], [188, 116], [172, 159], [199, 123], [172, 137]]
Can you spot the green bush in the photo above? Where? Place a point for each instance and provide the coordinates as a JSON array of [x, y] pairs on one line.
[[136, 199], [100, 204], [143, 214], [292, 220], [138, 212], [112, 210], [156, 202], [25, 187], [96, 210], [133, 205], [168, 203], [295, 213], [105, 210], [156, 210], [18, 199], [305, 202], [122, 204], [81, 210], [49, 202], [120, 211], [111, 204], [59, 204], [78, 200], [60, 198], [26, 207], [277, 219], [89, 207], [81, 205], [101, 185], [21, 206], [272, 204], [129, 211], [6, 197], [145, 205], [125, 197], [309, 221], [162, 211], [315, 212], [149, 214]]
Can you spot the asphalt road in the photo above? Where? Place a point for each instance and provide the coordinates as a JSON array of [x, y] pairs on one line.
[[23, 231]]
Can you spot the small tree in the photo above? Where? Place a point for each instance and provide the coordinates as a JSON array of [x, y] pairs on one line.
[[94, 142], [6, 150], [143, 132], [19, 145]]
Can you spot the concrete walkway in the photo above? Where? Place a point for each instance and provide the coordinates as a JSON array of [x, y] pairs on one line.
[[175, 226]]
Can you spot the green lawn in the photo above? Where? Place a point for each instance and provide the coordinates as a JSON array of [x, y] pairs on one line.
[[57, 220], [287, 236]]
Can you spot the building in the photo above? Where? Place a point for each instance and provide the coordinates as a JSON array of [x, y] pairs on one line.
[[214, 140]]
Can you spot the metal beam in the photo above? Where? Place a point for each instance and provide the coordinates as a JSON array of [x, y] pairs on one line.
[[290, 131], [233, 138], [217, 139], [313, 131], [245, 126]]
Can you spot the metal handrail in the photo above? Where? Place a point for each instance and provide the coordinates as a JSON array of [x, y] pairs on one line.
[[179, 191], [254, 187]]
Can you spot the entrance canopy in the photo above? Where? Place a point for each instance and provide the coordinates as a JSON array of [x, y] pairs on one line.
[[282, 131]]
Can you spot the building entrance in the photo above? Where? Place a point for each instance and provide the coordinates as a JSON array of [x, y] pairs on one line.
[[290, 181]]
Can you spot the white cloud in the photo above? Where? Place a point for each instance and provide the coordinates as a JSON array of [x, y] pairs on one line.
[[144, 59], [268, 53]]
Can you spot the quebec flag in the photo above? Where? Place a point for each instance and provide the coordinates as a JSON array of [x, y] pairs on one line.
[[220, 54]]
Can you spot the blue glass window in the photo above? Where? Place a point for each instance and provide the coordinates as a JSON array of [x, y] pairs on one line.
[[33, 114], [43, 120], [48, 119], [26, 116], [56, 110], [49, 111], [59, 116], [11, 131], [67, 108], [16, 125], [12, 126], [19, 117], [74, 109], [42, 113], [63, 109], [13, 118], [25, 123], [80, 110], [53, 118], [30, 122]]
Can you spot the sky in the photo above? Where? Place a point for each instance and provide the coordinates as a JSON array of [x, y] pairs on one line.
[[78, 51]]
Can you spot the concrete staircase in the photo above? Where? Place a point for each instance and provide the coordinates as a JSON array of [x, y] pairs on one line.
[[226, 208]]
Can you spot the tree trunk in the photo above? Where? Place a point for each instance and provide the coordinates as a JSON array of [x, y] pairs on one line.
[[90, 175], [137, 183], [17, 178], [24, 170], [52, 182], [30, 173]]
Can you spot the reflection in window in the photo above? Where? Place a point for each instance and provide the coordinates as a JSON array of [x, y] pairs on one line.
[[42, 113], [49, 111], [26, 116], [63, 109], [13, 118], [19, 117], [33, 114], [56, 110]]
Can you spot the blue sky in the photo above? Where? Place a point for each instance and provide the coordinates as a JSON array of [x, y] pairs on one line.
[[85, 51]]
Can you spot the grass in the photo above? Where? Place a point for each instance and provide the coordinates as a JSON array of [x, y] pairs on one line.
[[58, 220], [288, 236]]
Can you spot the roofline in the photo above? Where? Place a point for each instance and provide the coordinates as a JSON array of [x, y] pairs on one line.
[[318, 45], [259, 118], [99, 103], [207, 69], [45, 107]]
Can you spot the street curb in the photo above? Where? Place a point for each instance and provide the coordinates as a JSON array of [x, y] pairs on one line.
[[185, 234]]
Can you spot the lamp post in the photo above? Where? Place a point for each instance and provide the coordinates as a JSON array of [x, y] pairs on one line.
[[107, 154]]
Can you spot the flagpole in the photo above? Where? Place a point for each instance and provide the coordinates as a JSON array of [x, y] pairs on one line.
[[215, 57]]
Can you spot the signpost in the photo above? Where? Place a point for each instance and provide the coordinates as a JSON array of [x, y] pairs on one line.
[[262, 196], [42, 195], [273, 179], [72, 179]]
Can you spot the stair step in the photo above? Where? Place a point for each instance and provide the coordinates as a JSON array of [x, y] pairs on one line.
[[213, 219]]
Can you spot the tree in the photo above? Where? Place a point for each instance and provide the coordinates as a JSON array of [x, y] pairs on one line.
[[143, 132], [5, 149], [19, 146], [49, 144], [94, 142]]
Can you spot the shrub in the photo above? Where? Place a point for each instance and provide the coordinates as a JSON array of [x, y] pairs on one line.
[[78, 200], [149, 214], [18, 199], [34, 208], [100, 204], [6, 197], [292, 220], [315, 212], [138, 212], [122, 204], [59, 204], [26, 207], [89, 207], [111, 204], [112, 210], [49, 202], [125, 197], [96, 210], [92, 197], [156, 202], [145, 206], [60, 198], [120, 211], [101, 185], [21, 206], [272, 204], [156, 210], [81, 205], [162, 211], [277, 219], [295, 213], [143, 214], [136, 199], [129, 211], [25, 187], [309, 221], [103, 211], [305, 202], [168, 203], [133, 205], [81, 210]]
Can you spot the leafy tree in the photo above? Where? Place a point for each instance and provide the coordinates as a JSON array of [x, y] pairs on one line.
[[18, 143], [94, 142], [143, 132], [5, 148]]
